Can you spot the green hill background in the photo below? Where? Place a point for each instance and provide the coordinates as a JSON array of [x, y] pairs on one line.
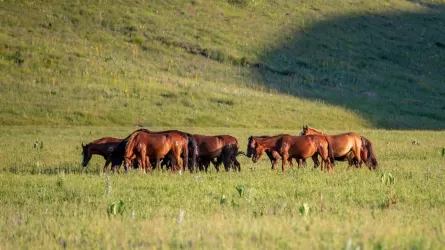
[[236, 63]]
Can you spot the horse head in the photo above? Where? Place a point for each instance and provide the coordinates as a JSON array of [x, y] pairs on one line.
[[86, 154], [304, 130], [250, 146]]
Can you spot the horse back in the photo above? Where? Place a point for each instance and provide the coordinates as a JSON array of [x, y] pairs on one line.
[[299, 146], [107, 140]]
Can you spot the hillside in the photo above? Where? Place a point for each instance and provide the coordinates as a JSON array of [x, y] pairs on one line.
[[237, 63]]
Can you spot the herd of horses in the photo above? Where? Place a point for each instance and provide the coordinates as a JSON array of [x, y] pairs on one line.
[[177, 150]]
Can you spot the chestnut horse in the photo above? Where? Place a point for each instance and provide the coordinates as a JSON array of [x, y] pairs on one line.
[[348, 146], [144, 145], [288, 147], [210, 147], [103, 146], [272, 154]]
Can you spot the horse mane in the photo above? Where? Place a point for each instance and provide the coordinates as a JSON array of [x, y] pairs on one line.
[[103, 140], [316, 130], [120, 148], [130, 143]]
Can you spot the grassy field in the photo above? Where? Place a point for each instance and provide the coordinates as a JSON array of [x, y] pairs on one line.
[[49, 200], [75, 71]]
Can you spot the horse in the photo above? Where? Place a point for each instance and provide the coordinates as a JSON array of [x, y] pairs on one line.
[[103, 146], [157, 145], [267, 148], [288, 147], [228, 155], [303, 147], [118, 154], [210, 147], [348, 146]]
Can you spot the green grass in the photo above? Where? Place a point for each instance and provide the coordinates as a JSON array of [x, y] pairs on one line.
[[75, 71], [49, 200], [367, 64]]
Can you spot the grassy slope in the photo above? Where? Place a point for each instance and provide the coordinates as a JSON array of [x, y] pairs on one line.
[[128, 63]]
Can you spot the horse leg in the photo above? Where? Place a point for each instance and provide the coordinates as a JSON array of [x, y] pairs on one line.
[[275, 156], [284, 160], [217, 163], [291, 163], [315, 160], [107, 162]]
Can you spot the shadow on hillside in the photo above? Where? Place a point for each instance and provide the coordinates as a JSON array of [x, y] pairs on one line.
[[388, 67]]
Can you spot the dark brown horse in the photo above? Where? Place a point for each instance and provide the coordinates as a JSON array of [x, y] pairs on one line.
[[210, 147], [348, 146], [103, 146], [268, 148], [143, 145], [228, 155]]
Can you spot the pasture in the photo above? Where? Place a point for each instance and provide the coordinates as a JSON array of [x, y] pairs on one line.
[[75, 71], [49, 201]]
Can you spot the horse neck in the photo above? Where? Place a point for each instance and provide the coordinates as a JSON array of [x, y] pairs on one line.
[[264, 143]]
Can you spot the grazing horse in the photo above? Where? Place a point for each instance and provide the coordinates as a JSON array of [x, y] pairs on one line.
[[303, 147], [103, 146], [228, 155], [210, 147], [118, 154], [270, 151], [347, 146], [157, 145]]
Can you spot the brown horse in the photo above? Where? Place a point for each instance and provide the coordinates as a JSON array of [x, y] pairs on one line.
[[348, 146], [267, 147], [303, 147], [103, 146], [210, 147], [144, 145]]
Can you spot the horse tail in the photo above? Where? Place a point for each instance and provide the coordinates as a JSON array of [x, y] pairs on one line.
[[330, 151], [372, 161], [193, 150], [241, 153]]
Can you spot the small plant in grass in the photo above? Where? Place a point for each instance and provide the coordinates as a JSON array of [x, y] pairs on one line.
[[304, 209], [389, 180], [116, 208], [222, 200], [240, 188]]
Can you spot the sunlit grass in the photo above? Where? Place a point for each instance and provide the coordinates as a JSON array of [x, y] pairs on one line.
[[59, 203]]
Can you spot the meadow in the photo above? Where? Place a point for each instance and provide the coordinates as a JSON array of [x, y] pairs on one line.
[[75, 71], [50, 201]]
